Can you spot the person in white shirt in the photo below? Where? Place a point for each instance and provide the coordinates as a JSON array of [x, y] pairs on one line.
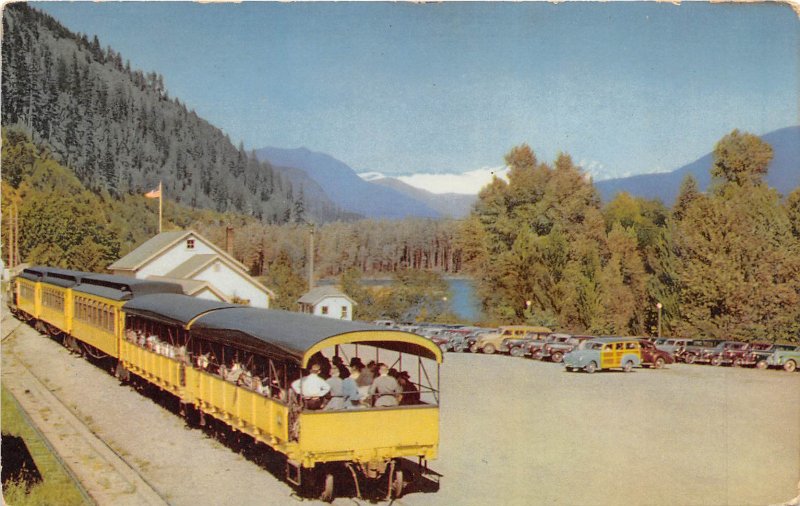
[[312, 388]]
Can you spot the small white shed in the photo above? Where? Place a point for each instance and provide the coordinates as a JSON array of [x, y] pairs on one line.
[[327, 301]]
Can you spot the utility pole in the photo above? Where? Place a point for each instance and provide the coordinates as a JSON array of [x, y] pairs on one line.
[[659, 306], [311, 260], [10, 236]]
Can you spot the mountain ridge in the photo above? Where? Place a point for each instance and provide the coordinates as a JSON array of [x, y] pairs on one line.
[[344, 187], [783, 173]]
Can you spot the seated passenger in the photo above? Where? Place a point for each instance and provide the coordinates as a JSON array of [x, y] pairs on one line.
[[385, 391], [337, 398], [312, 388], [352, 397], [202, 361], [372, 371], [261, 385], [233, 373], [410, 391], [246, 379], [355, 375]]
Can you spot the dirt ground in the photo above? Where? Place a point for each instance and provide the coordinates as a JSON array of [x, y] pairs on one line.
[[513, 431]]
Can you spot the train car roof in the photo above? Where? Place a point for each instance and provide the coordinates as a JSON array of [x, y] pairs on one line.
[[297, 336], [53, 275], [123, 288], [172, 309]]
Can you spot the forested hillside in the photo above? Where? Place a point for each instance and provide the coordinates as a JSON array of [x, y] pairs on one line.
[[119, 131], [60, 222]]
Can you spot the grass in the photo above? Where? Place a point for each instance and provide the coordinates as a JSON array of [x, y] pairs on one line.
[[57, 486]]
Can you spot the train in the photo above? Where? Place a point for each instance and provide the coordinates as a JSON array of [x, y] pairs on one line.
[[234, 365]]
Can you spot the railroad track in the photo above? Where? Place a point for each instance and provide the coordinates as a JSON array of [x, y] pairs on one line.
[[103, 474]]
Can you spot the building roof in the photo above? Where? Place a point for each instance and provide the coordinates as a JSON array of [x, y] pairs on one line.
[[317, 294], [147, 250], [191, 266], [192, 286]]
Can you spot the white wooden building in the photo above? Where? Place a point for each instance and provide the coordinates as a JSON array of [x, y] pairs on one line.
[[198, 265], [327, 301]]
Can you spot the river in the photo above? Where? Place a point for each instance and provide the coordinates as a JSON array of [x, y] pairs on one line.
[[464, 300]]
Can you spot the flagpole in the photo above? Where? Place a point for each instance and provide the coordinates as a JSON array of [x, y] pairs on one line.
[[160, 199]]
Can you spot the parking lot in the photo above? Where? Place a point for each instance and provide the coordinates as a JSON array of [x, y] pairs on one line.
[[517, 431], [513, 431]]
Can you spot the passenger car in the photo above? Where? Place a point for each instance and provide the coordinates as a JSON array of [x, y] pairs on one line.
[[760, 352], [788, 359], [556, 349], [712, 355], [535, 348], [653, 356], [672, 345], [605, 353], [732, 353], [519, 346], [492, 342], [697, 348]]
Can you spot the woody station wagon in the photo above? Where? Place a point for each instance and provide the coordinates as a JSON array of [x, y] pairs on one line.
[[605, 353]]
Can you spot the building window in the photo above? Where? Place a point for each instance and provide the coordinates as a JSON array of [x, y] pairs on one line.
[[344, 312], [189, 243], [324, 309]]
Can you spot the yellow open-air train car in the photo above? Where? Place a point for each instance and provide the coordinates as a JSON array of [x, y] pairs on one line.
[[197, 340]]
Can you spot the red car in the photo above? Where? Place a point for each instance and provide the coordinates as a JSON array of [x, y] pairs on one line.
[[652, 356]]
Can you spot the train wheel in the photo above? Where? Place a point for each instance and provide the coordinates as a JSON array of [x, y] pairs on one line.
[[396, 489], [327, 489]]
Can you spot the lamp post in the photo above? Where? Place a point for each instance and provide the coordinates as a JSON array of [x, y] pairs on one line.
[[659, 306]]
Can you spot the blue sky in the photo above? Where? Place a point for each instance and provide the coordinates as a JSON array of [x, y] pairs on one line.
[[402, 88]]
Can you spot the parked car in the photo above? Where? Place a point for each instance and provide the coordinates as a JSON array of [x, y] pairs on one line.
[[653, 356], [605, 353], [788, 359], [470, 340], [710, 355], [560, 346], [696, 348], [672, 345], [441, 340], [731, 353], [534, 349], [456, 336], [491, 342], [518, 346], [760, 352]]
